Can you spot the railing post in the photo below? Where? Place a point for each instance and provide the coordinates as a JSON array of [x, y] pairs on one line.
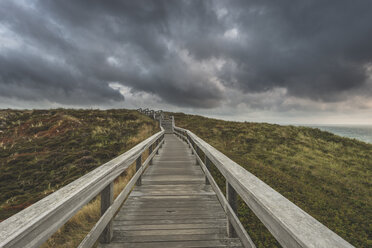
[[206, 162], [196, 155], [150, 151], [157, 143], [232, 200], [138, 166], [107, 198], [192, 147]]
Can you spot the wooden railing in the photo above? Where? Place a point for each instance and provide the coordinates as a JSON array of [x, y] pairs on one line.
[[34, 225], [156, 115], [289, 224]]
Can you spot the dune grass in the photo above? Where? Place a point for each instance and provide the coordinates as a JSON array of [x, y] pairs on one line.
[[43, 150], [326, 175]]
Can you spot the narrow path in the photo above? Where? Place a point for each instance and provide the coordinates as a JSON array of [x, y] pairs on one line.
[[173, 207]]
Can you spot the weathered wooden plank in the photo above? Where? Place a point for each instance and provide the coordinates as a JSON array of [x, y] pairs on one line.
[[198, 205], [221, 221], [174, 192], [167, 232], [175, 187], [174, 178], [166, 238], [173, 149], [139, 209], [173, 160], [167, 189], [170, 202], [224, 243], [167, 212], [151, 182], [176, 197], [181, 155], [174, 164], [188, 193], [172, 198], [169, 226], [175, 172], [170, 217]]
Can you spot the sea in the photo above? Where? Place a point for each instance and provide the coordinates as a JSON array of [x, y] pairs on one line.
[[360, 132]]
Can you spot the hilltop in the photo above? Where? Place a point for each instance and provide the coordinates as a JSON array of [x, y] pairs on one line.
[[326, 175], [43, 150]]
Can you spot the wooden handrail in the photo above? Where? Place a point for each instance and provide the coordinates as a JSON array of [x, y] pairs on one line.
[[34, 225], [289, 224]]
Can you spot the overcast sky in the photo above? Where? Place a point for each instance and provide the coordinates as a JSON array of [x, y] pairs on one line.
[[276, 61]]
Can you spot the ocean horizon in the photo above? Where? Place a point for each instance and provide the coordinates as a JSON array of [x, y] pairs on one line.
[[359, 132]]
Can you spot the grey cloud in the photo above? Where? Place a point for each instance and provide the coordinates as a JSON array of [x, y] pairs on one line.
[[317, 50], [29, 77]]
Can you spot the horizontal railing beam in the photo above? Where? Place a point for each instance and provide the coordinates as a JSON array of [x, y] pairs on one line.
[[289, 224]]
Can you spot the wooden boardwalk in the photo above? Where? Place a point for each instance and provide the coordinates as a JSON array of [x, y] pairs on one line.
[[173, 207]]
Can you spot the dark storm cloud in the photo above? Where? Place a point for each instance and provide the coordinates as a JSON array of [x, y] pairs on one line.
[[70, 51], [315, 49]]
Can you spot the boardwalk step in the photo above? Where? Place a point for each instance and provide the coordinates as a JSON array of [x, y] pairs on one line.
[[118, 226], [178, 244], [118, 237], [221, 221]]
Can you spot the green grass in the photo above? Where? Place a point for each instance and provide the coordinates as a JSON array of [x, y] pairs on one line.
[[43, 150], [326, 175]]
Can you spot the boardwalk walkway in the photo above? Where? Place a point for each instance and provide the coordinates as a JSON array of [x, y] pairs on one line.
[[173, 207]]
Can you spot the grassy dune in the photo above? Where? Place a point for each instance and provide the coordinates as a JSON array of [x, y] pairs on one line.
[[43, 150], [326, 175]]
